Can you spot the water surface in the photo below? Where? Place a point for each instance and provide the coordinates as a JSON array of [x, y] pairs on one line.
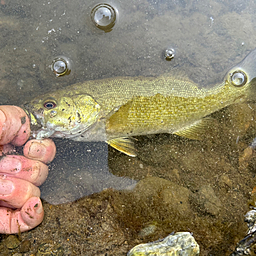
[[182, 185]]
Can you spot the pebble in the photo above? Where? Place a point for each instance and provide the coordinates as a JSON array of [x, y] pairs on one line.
[[49, 249], [148, 230], [25, 246], [12, 242], [224, 179]]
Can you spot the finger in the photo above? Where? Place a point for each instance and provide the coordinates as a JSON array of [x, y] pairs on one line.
[[26, 218], [42, 150], [14, 125], [24, 131], [7, 149], [15, 192], [23, 168]]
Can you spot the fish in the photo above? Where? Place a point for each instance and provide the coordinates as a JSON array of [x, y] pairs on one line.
[[116, 109]]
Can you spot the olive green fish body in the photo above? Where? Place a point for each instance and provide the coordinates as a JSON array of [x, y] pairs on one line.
[[116, 108], [168, 113]]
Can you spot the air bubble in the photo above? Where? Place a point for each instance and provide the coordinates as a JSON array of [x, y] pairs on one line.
[[169, 54], [61, 66], [238, 78], [104, 17]]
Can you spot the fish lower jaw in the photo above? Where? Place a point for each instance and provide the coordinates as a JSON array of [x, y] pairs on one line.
[[42, 134]]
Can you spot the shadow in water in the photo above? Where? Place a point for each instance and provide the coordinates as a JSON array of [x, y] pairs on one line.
[[80, 169]]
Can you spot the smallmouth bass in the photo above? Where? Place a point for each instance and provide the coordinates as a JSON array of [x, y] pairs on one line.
[[115, 109]]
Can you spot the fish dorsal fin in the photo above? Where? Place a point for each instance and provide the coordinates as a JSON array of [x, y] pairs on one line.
[[124, 145], [198, 130], [182, 86]]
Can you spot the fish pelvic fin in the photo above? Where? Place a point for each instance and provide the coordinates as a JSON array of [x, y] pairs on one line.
[[124, 145], [198, 130]]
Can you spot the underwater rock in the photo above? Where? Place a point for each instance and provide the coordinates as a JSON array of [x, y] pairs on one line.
[[176, 197], [206, 201], [248, 244], [171, 196], [178, 244], [12, 242]]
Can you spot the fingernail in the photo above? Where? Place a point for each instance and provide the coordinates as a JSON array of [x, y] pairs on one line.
[[36, 171], [37, 150], [6, 187], [38, 207], [10, 165]]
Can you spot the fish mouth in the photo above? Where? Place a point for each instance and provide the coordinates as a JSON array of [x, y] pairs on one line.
[[36, 119]]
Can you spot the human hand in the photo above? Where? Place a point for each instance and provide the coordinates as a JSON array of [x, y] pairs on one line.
[[20, 206]]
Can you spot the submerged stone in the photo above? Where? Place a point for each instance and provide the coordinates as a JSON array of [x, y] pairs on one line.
[[12, 242], [178, 244]]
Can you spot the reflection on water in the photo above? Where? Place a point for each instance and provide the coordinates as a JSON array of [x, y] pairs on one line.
[[183, 185], [207, 38]]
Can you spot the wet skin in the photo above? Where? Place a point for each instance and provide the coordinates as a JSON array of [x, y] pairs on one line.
[[20, 206]]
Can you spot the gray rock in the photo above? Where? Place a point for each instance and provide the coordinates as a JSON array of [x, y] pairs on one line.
[[178, 244]]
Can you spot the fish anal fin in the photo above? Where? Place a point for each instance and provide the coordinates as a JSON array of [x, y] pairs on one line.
[[198, 130], [124, 145]]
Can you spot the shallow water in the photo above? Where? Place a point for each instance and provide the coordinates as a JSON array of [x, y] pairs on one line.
[[80, 169], [211, 191]]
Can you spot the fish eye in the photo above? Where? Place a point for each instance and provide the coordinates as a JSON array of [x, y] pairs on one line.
[[238, 78], [50, 104]]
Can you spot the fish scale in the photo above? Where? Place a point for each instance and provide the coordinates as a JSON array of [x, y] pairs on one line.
[[158, 113]]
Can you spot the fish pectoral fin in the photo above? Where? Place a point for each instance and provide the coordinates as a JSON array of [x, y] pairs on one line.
[[199, 129], [124, 145]]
